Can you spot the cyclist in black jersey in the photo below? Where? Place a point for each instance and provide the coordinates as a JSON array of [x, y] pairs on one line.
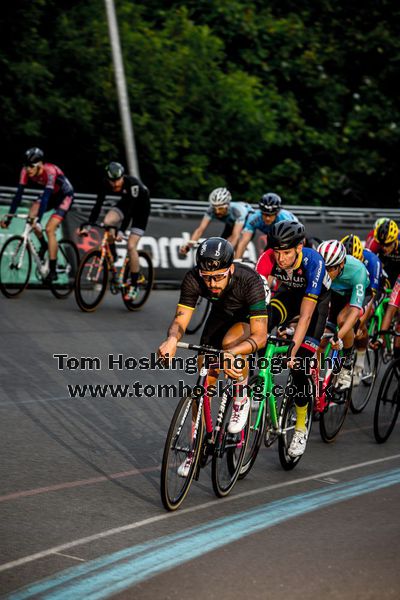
[[132, 210], [237, 320]]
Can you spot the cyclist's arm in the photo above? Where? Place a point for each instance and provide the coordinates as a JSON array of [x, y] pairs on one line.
[[197, 233], [307, 308], [353, 316], [94, 215], [17, 198], [258, 333], [235, 235], [389, 315], [242, 244], [176, 330], [44, 200]]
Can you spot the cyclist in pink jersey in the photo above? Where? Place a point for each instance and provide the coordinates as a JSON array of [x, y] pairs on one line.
[[58, 194]]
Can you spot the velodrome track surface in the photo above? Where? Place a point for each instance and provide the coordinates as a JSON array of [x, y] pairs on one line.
[[80, 482]]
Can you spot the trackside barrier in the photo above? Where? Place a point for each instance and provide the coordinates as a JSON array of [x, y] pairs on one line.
[[172, 222]]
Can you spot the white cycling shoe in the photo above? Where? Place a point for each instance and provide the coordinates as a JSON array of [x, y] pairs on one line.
[[298, 444], [184, 468], [238, 419]]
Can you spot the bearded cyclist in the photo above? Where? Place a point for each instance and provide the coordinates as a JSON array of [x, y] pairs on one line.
[[237, 321], [132, 210], [233, 214]]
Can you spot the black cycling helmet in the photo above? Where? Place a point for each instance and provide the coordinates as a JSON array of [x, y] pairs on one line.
[[214, 254], [33, 156], [114, 170], [286, 234], [270, 203]]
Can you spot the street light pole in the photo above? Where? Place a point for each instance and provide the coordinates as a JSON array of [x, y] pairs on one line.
[[122, 93]]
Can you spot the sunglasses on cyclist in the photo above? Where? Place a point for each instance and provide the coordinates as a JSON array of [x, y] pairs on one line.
[[32, 165], [217, 277], [386, 244]]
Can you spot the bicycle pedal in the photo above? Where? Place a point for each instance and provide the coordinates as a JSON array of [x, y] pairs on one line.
[[269, 438]]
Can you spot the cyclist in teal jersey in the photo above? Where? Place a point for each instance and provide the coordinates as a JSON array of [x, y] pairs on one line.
[[350, 293], [232, 214]]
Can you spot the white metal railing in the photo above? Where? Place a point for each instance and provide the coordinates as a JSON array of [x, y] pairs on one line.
[[185, 208]]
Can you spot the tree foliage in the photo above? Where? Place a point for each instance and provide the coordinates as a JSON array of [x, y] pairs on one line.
[[294, 97]]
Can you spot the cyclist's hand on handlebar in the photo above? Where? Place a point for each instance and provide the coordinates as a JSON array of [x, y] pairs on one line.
[[83, 231], [119, 236], [337, 343], [229, 368], [376, 344], [168, 348], [184, 249], [4, 223]]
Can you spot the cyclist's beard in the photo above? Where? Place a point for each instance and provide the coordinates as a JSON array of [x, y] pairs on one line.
[[219, 291]]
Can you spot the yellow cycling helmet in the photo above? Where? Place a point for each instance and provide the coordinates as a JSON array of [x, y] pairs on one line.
[[353, 246], [387, 232]]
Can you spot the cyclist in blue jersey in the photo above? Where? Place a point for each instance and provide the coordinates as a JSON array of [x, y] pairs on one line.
[[270, 211], [303, 289], [350, 293], [233, 214], [354, 247]]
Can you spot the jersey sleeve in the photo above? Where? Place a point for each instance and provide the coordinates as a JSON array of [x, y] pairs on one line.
[[94, 215], [374, 267], [255, 294], [266, 263], [374, 246], [51, 172], [360, 285], [190, 291], [239, 213], [315, 272], [394, 299], [250, 224]]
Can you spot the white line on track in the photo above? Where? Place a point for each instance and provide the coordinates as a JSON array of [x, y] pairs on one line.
[[130, 526]]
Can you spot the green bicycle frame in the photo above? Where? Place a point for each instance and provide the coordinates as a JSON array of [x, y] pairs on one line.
[[267, 377]]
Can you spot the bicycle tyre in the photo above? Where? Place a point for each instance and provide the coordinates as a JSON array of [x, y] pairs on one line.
[[67, 268], [9, 288], [387, 407], [288, 425], [255, 435], [173, 455], [332, 418], [145, 282], [361, 394], [87, 284], [228, 455], [199, 316]]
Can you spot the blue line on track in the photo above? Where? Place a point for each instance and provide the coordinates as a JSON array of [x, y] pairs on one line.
[[113, 573]]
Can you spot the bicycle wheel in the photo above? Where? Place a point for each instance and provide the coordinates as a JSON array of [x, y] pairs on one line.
[[144, 284], [67, 267], [387, 403], [228, 454], [199, 315], [361, 394], [289, 419], [91, 281], [257, 411], [332, 418], [179, 446], [15, 266]]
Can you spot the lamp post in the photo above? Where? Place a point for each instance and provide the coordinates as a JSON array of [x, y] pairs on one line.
[[122, 93]]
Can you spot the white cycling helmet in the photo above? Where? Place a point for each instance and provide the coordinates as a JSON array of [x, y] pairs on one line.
[[333, 252], [220, 197]]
